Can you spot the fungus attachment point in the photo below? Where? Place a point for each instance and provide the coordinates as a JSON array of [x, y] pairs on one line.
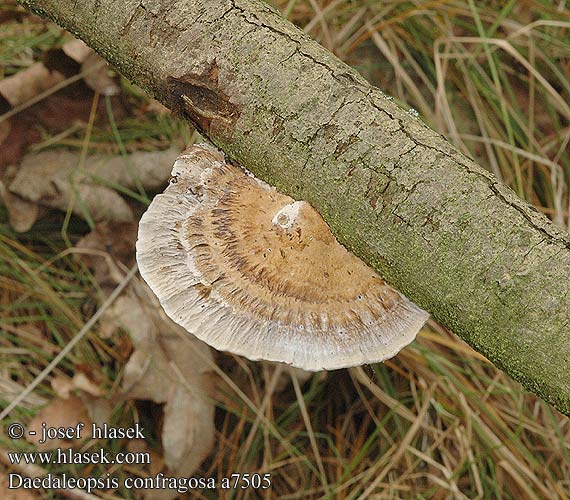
[[251, 271]]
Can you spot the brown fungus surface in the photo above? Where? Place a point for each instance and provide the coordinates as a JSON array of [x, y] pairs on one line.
[[251, 271]]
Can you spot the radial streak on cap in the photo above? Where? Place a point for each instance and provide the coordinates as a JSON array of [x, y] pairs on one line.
[[251, 271]]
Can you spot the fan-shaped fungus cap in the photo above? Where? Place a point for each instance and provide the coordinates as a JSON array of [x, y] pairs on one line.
[[251, 271]]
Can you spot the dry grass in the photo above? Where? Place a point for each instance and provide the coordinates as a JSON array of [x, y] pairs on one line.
[[438, 421]]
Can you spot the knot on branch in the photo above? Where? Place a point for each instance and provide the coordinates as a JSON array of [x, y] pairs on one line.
[[198, 97]]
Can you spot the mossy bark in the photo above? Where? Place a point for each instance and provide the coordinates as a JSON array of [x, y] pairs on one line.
[[437, 226]]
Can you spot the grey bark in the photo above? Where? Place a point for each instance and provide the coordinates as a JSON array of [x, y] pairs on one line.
[[437, 226]]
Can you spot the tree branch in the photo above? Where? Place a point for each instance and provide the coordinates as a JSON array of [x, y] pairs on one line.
[[438, 227]]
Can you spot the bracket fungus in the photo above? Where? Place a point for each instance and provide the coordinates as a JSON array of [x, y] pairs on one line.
[[251, 271]]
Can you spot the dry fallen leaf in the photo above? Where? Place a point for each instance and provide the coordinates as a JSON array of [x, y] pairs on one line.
[[85, 384], [57, 111], [284, 378], [172, 367], [167, 365], [22, 132], [28, 83], [48, 179], [153, 106], [77, 49], [101, 250], [5, 129], [63, 386], [99, 409], [39, 77], [22, 214], [150, 169], [59, 413], [54, 179], [97, 75]]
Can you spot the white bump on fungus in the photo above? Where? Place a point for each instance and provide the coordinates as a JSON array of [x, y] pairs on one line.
[[286, 216]]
